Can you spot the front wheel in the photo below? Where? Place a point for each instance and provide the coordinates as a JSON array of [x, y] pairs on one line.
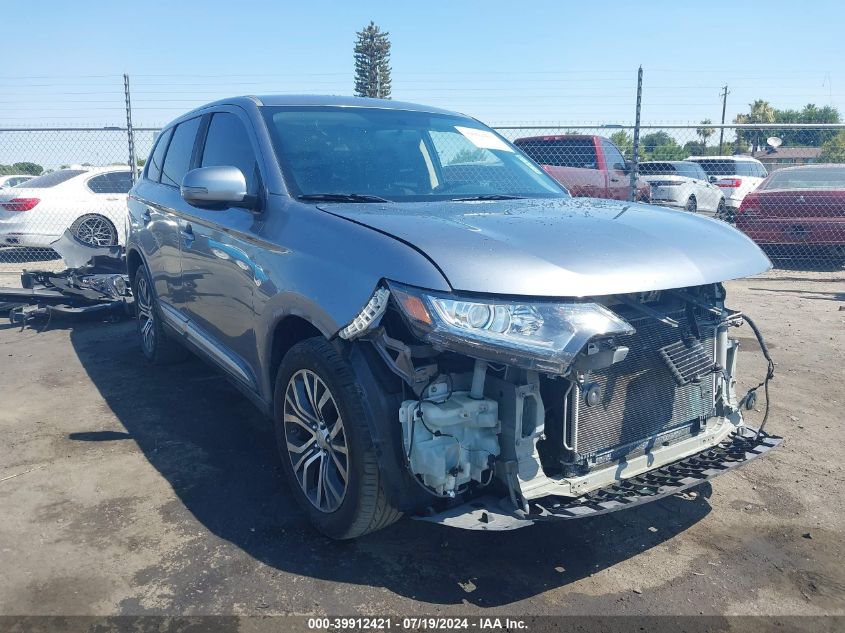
[[722, 212], [325, 445], [691, 205]]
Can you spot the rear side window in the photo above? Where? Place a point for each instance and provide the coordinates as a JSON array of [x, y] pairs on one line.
[[113, 182], [747, 168], [689, 170], [54, 178], [563, 152], [157, 157], [227, 143], [179, 153]]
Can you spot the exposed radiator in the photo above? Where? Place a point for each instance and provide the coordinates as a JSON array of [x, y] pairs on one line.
[[643, 396]]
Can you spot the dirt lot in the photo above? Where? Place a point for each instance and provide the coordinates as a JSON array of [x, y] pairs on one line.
[[128, 490]]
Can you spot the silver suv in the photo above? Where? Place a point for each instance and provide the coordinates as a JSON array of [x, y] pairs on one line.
[[435, 327]]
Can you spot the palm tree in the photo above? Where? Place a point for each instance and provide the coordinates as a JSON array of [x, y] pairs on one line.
[[704, 133], [761, 112]]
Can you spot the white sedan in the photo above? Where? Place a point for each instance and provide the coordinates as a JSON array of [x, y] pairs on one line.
[[684, 184], [91, 202]]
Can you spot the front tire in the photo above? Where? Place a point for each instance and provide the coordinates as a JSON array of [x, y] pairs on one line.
[[157, 346], [325, 445], [691, 205], [722, 211]]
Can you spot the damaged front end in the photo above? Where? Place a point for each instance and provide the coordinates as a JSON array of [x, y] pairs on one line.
[[516, 411]]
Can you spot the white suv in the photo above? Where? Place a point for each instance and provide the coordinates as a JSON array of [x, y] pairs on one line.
[[737, 176]]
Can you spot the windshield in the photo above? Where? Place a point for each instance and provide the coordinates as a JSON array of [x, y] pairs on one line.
[[810, 178], [398, 155]]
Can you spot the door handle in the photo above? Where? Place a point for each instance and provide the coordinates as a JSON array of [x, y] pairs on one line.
[[187, 235], [146, 217], [614, 180]]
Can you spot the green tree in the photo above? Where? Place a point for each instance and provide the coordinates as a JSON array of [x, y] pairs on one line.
[[660, 146], [625, 143], [467, 156], [761, 112], [833, 150], [705, 133], [372, 63], [26, 167]]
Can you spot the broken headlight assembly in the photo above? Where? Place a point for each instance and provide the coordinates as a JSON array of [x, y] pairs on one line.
[[540, 336]]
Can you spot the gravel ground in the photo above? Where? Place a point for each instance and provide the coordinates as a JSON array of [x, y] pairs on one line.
[[128, 490]]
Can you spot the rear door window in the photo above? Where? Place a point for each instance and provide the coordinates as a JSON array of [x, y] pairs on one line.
[[153, 171], [112, 182], [179, 153]]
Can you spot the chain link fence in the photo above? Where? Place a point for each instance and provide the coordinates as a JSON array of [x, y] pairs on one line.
[[58, 179], [784, 186]]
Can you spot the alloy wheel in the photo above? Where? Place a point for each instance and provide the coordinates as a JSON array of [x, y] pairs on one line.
[[316, 440], [146, 314], [96, 230]]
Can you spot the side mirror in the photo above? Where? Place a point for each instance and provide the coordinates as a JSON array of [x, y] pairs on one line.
[[627, 166], [712, 179], [214, 187]]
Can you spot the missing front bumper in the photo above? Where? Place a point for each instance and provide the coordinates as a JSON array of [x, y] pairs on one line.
[[489, 513]]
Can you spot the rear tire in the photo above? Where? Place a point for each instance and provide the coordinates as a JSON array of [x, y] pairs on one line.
[[95, 230], [325, 445], [157, 346], [691, 205]]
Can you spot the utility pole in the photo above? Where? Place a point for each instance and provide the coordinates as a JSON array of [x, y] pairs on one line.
[[636, 149], [725, 94], [130, 133]]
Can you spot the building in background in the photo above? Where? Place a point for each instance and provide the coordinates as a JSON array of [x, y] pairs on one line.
[[787, 156]]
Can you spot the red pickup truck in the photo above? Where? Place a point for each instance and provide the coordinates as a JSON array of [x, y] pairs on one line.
[[589, 166]]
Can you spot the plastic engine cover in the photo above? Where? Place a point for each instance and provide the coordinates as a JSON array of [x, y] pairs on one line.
[[453, 440]]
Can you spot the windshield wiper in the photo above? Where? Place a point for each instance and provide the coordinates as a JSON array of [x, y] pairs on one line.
[[488, 196], [341, 197]]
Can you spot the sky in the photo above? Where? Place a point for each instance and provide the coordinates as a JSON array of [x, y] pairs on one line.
[[502, 62]]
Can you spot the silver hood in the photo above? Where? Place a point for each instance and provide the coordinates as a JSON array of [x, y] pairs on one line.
[[564, 247]]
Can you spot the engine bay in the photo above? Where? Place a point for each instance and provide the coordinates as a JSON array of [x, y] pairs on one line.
[[662, 388]]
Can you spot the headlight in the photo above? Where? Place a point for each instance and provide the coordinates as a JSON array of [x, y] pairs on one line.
[[542, 336]]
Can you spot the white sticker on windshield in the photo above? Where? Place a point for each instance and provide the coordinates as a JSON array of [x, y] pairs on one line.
[[483, 138]]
